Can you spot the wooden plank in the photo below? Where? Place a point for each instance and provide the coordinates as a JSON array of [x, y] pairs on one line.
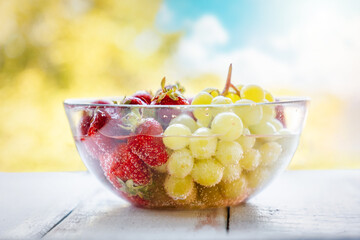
[[32, 203], [105, 216], [302, 204]]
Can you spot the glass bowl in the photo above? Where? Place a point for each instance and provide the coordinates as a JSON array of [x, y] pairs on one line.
[[186, 156]]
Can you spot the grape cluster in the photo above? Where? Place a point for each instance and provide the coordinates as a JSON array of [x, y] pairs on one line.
[[220, 151]]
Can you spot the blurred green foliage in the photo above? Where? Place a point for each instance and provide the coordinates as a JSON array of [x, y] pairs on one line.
[[53, 50]]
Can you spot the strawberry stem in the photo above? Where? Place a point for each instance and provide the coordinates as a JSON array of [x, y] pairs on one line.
[[163, 84], [228, 82]]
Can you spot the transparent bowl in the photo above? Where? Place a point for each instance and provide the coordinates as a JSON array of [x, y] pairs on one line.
[[212, 161]]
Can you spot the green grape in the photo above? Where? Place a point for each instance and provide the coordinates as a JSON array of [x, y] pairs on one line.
[[219, 100], [250, 114], [202, 98], [284, 131], [189, 199], [180, 163], [210, 196], [263, 128], [214, 92], [203, 116], [231, 173], [233, 96], [253, 93], [269, 96], [203, 123], [228, 125], [270, 152], [178, 188], [251, 159], [201, 146], [276, 123], [234, 189], [161, 169], [268, 112], [176, 143], [207, 172], [246, 141], [257, 178], [186, 120], [228, 152]]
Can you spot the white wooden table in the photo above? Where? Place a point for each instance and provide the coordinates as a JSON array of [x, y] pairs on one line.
[[298, 205]]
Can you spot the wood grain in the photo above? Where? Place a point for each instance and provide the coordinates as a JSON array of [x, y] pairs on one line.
[[105, 216], [32, 203], [302, 204], [298, 205]]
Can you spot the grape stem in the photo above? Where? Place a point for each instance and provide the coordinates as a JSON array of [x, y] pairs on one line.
[[235, 89], [228, 82]]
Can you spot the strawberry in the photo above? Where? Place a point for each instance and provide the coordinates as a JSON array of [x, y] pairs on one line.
[[91, 148], [101, 102], [143, 95], [87, 118], [84, 124], [280, 114], [149, 126], [146, 145], [102, 126], [150, 149], [125, 169], [115, 126], [107, 121], [105, 144], [133, 101], [168, 95], [98, 146], [100, 118]]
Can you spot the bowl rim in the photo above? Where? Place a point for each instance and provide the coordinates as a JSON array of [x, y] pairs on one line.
[[80, 102]]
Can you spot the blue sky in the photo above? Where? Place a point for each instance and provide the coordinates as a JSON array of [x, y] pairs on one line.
[[300, 44], [249, 19]]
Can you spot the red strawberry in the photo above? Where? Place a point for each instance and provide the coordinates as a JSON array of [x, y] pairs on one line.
[[280, 114], [122, 166], [99, 146], [149, 126], [91, 147], [115, 126], [105, 144], [84, 124], [150, 149], [168, 95], [93, 141], [87, 116], [101, 102], [100, 118], [147, 145], [143, 95], [101, 128], [133, 101]]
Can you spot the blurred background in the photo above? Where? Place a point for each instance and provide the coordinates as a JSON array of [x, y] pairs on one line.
[[53, 50]]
